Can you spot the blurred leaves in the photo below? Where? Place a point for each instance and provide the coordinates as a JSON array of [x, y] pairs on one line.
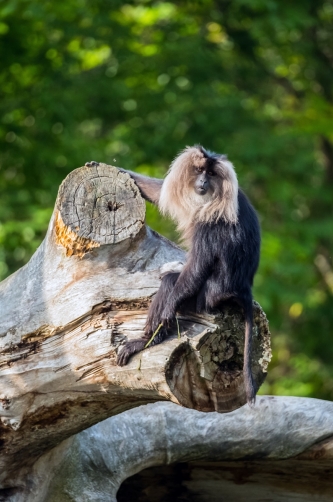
[[133, 83]]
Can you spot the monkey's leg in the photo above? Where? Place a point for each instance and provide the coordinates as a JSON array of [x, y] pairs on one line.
[[152, 323], [190, 286], [214, 296], [202, 299]]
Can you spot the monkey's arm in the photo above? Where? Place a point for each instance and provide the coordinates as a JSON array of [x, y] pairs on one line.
[[150, 188], [175, 288], [192, 278]]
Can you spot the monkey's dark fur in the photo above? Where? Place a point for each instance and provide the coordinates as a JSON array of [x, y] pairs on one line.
[[221, 227]]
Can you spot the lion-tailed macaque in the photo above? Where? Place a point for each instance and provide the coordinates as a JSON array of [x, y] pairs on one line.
[[221, 229]]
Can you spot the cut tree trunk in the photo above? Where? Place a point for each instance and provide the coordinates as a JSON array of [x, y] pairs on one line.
[[84, 292]]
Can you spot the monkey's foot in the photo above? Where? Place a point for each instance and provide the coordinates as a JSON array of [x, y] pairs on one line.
[[129, 349]]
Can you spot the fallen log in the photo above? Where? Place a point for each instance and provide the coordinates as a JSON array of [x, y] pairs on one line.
[[86, 291], [279, 450]]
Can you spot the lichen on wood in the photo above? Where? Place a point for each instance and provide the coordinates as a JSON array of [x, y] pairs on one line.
[[73, 244]]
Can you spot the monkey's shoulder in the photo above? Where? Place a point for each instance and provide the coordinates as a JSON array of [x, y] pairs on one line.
[[224, 237], [244, 203]]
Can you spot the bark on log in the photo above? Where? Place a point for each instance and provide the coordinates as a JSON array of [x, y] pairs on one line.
[[280, 450], [84, 292]]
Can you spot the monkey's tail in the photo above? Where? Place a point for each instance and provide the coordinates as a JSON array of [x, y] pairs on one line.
[[248, 378]]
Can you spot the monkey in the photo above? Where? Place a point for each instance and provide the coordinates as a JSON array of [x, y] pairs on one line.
[[221, 230]]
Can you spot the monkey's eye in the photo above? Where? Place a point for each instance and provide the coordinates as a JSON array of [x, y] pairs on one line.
[[211, 173], [198, 169]]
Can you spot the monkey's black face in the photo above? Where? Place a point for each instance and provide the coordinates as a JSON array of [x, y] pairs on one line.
[[204, 180]]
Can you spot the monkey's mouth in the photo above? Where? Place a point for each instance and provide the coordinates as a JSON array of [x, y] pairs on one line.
[[200, 190]]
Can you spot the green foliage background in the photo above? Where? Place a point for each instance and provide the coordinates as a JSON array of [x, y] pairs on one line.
[[133, 83]]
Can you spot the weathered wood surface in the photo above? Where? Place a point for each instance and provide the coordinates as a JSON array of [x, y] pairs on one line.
[[84, 292], [280, 450]]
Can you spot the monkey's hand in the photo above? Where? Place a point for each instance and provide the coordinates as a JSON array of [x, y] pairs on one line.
[[129, 349], [168, 316], [149, 339]]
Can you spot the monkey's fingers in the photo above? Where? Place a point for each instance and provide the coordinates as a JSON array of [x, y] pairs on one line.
[[167, 319], [129, 349], [151, 325]]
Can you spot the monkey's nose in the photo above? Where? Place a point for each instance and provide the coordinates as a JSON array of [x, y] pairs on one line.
[[201, 186]]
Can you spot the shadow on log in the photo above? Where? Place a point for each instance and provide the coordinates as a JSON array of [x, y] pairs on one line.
[[84, 292]]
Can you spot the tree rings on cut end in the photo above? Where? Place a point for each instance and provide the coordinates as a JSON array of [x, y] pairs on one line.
[[97, 204]]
